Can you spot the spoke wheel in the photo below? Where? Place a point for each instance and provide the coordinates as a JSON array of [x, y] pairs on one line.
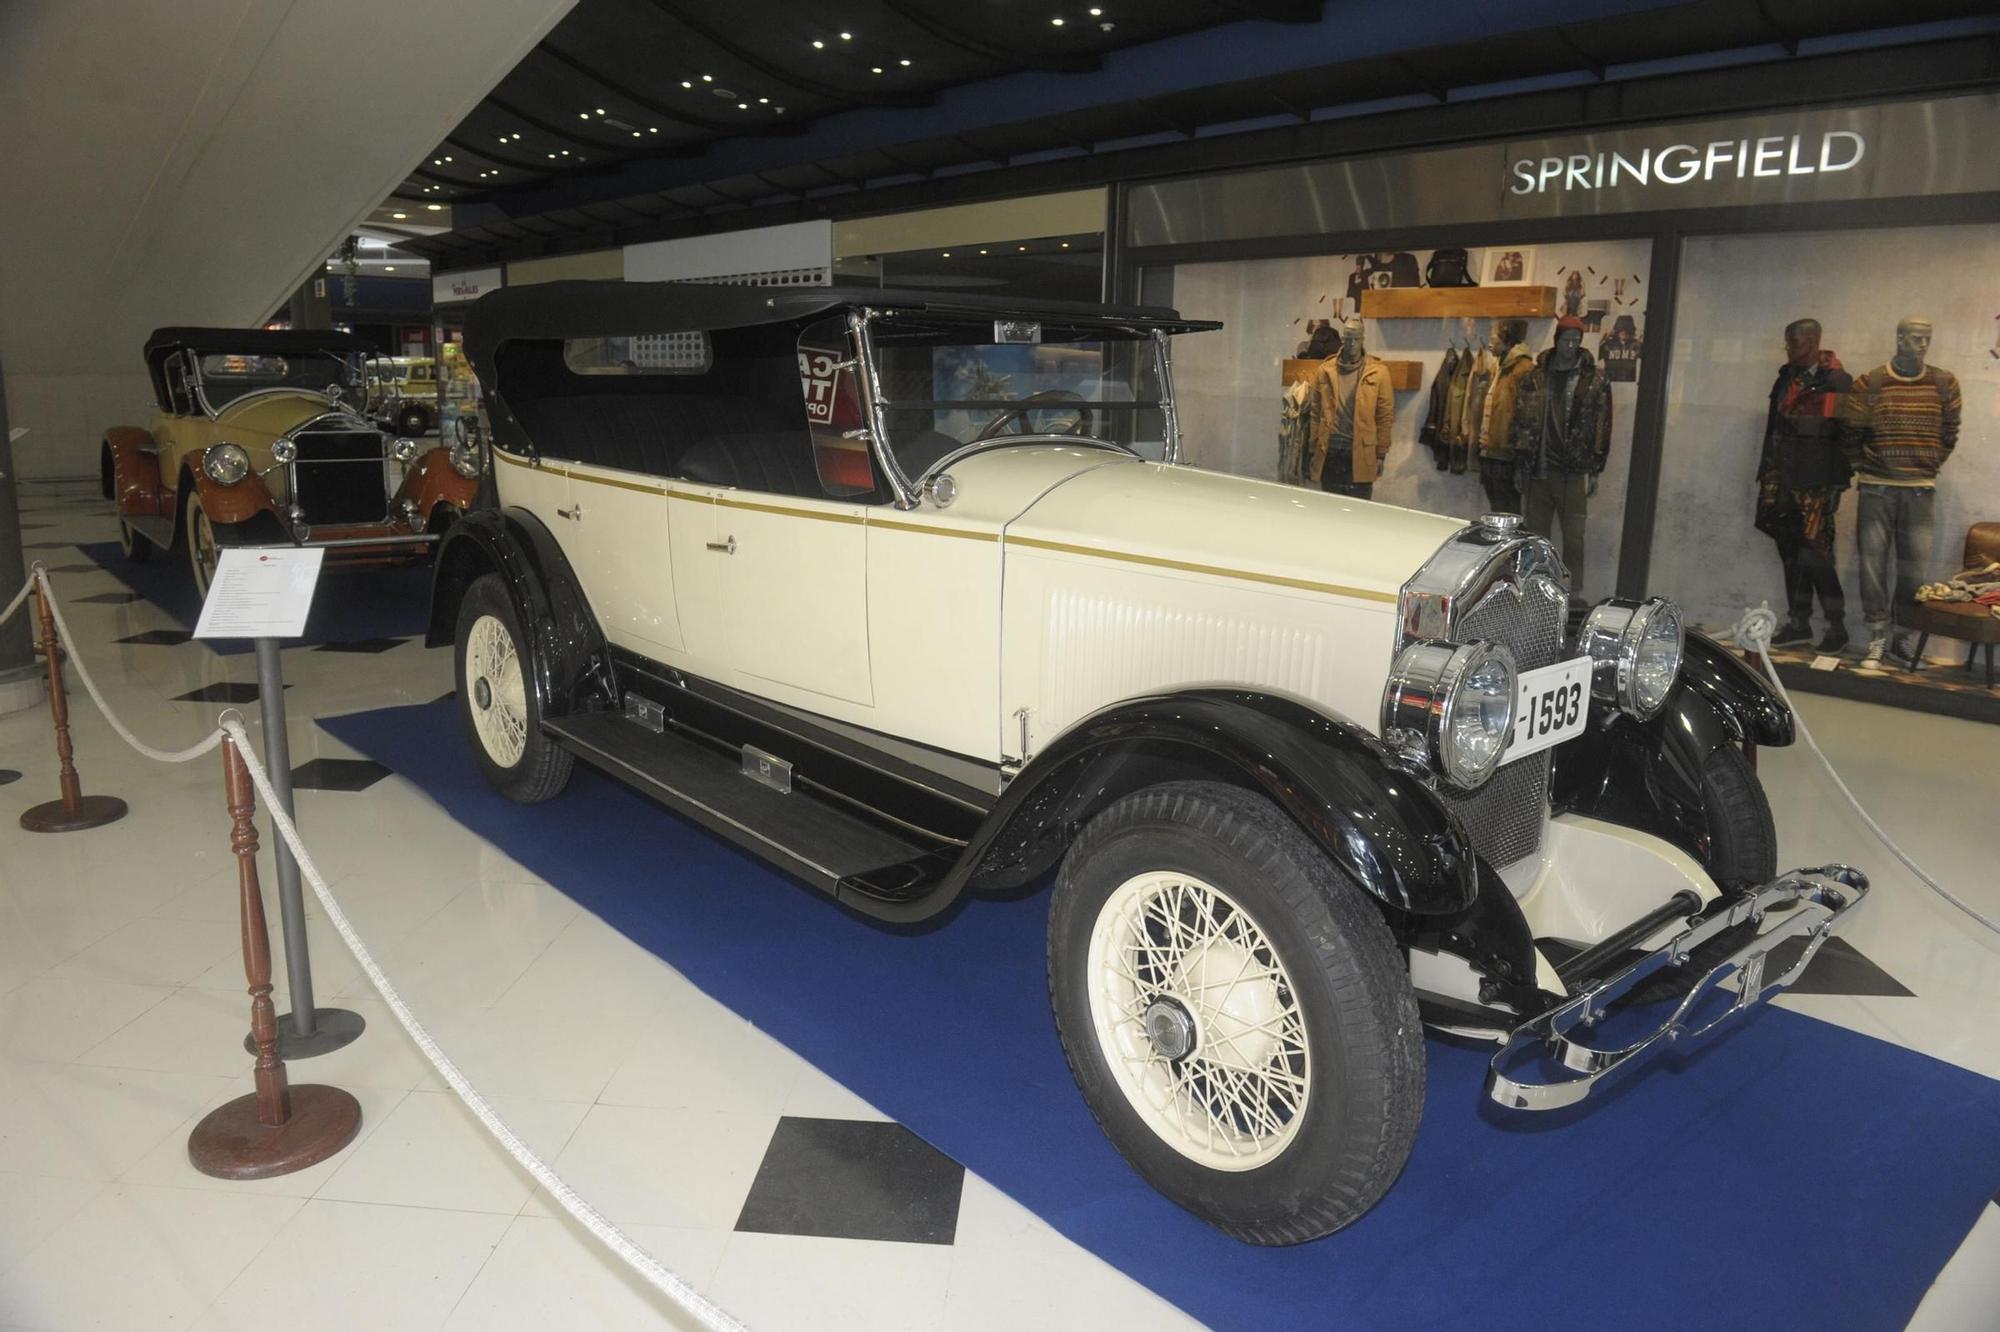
[[496, 698], [1201, 1019], [131, 545], [203, 552]]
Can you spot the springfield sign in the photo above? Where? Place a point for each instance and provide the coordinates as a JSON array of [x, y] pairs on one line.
[[1682, 163]]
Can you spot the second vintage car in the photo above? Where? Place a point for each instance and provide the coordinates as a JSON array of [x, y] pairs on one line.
[[910, 595], [263, 437]]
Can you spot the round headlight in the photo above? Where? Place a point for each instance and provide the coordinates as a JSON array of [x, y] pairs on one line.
[[465, 460], [404, 450], [284, 452], [1636, 653], [226, 464], [1451, 708]]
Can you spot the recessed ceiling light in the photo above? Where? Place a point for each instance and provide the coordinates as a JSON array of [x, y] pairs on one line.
[[635, 134], [565, 152], [1057, 22], [818, 45], [1022, 248], [388, 268], [447, 157], [763, 101], [583, 115], [1095, 12], [708, 78], [982, 252], [743, 106], [517, 137], [652, 129], [904, 63], [846, 36], [876, 70], [552, 157], [435, 208], [600, 110], [947, 254], [399, 216], [685, 83], [437, 161], [1065, 245]]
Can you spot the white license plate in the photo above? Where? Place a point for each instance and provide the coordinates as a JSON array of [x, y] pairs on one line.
[[1552, 706]]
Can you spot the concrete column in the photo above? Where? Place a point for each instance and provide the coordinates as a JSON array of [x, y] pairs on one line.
[[20, 677]]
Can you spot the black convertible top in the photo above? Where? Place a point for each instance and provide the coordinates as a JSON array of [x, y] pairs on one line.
[[243, 342], [610, 308]]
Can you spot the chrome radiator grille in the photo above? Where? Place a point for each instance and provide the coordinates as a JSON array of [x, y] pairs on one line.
[[338, 477], [1505, 816]]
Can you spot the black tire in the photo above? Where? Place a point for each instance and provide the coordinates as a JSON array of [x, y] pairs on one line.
[[413, 421], [1350, 985], [135, 548], [107, 472], [1742, 839], [542, 769]]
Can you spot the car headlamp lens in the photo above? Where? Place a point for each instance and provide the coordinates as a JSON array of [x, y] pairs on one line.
[[404, 450], [284, 452], [226, 464], [1451, 708], [465, 460], [1636, 651]]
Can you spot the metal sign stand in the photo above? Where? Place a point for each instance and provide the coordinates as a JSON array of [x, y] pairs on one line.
[[306, 1030]]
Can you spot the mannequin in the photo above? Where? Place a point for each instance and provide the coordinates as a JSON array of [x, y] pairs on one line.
[[1479, 387], [1899, 424], [1800, 479], [1353, 411], [1562, 439], [1508, 341]]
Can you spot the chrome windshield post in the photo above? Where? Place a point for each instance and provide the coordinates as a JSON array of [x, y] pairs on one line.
[[1169, 417], [877, 407]]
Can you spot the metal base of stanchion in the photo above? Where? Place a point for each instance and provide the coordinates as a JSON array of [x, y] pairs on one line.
[[90, 812], [229, 1143], [332, 1028]]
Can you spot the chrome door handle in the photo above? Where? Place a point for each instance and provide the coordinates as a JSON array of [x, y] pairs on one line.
[[574, 511], [726, 547]]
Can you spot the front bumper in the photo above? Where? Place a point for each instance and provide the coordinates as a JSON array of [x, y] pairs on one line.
[[1548, 1062]]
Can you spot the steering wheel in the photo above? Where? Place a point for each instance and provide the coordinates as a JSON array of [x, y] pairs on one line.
[[1017, 415]]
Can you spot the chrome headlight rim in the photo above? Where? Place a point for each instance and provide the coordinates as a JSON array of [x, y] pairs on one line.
[[404, 449], [1426, 695], [284, 452], [465, 460], [225, 464], [1615, 635]]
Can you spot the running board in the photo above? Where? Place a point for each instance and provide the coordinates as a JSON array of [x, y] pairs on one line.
[[831, 847]]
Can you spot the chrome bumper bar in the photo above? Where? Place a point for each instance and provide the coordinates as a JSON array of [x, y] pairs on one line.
[[414, 539], [1547, 1064]]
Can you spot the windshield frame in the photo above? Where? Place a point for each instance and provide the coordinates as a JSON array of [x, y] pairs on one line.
[[909, 490], [351, 379]]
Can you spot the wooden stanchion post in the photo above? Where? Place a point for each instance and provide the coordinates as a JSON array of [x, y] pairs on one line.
[[74, 810], [276, 1129]]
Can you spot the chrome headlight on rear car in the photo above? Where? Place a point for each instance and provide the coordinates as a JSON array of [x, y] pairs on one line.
[[1635, 650], [1451, 708], [226, 464], [465, 459]]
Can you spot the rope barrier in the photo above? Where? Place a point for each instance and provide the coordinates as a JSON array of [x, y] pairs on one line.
[[656, 1274], [1754, 631], [21, 597]]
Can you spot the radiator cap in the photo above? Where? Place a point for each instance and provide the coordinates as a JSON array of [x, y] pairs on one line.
[[1500, 524]]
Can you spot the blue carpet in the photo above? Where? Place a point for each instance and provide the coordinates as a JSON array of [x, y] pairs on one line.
[[1791, 1175], [350, 606]]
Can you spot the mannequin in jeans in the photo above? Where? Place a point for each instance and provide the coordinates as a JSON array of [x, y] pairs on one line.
[[1355, 409], [1899, 424], [1562, 440]]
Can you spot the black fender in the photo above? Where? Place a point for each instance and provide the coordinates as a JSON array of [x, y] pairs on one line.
[[1647, 775], [571, 666], [1375, 818]]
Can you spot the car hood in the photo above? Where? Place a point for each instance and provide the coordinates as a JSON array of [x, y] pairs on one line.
[[269, 415], [1211, 522]]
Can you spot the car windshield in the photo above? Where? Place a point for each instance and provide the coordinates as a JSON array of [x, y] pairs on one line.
[[227, 376], [950, 383]]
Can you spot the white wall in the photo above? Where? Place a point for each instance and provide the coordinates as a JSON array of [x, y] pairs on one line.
[[1227, 383], [192, 162], [1737, 294]]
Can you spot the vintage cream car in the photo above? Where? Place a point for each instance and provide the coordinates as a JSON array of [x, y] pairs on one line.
[[406, 393], [908, 594], [264, 437]]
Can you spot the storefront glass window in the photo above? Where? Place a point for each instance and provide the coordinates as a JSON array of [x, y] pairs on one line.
[[1832, 409]]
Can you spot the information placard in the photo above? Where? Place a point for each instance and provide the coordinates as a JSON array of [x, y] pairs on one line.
[[260, 593]]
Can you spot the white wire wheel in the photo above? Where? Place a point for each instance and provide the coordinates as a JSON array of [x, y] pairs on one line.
[[1199, 1020], [202, 549], [496, 690]]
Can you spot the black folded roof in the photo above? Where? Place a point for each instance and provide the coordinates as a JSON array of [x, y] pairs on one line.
[[243, 342]]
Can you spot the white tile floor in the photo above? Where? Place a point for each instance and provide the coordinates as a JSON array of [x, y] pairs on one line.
[[121, 1009]]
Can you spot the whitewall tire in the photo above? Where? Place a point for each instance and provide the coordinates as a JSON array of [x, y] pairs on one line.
[[135, 548], [202, 548], [496, 698], [1235, 1011]]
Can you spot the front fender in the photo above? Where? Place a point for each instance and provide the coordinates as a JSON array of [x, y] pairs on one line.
[[1379, 822], [571, 664], [227, 504], [131, 473], [433, 481], [1743, 699]]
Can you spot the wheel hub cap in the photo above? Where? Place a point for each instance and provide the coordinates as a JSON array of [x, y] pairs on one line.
[[1170, 1028], [482, 693]]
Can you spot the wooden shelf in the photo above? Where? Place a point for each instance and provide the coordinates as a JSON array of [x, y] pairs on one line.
[[1459, 303], [1403, 375]]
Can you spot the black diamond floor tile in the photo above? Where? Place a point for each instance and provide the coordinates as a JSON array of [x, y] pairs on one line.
[[229, 691], [8, 775], [112, 599], [362, 645], [158, 638], [854, 1179], [337, 774], [1838, 968]]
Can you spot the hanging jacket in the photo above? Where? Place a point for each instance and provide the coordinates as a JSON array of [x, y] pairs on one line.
[[1802, 447], [1432, 432], [1374, 418], [1484, 371], [1294, 431], [1453, 431], [1496, 428], [1572, 433]]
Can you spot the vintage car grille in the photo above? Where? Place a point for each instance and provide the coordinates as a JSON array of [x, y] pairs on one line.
[[1505, 816], [339, 477]]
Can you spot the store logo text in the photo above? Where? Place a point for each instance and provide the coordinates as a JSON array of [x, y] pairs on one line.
[[1680, 163]]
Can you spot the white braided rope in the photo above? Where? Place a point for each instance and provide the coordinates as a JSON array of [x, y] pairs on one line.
[[19, 597], [187, 755], [1754, 631], [656, 1274]]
